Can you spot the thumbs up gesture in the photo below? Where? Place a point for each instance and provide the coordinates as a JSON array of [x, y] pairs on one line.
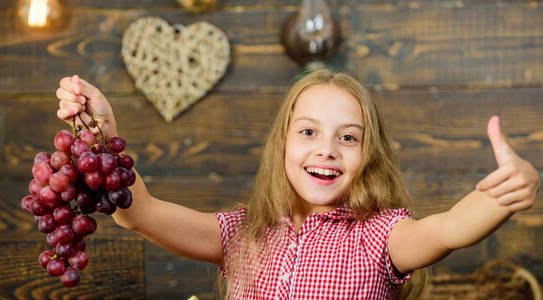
[[516, 182]]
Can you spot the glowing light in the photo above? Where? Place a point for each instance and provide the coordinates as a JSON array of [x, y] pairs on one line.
[[37, 13]]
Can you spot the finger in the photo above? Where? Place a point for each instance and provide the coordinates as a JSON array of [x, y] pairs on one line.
[[65, 114], [66, 95], [514, 183], [516, 196], [88, 90], [502, 150], [67, 84], [518, 206], [495, 178], [69, 109]]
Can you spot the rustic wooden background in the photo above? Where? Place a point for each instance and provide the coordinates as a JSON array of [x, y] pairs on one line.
[[439, 70]]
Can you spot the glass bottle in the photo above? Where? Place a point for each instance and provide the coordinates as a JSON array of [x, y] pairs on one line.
[[311, 37]]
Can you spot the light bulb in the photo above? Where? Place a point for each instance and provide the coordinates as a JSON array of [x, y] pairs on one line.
[[198, 6], [40, 13]]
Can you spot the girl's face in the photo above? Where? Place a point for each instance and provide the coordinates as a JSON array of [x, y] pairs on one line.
[[323, 146]]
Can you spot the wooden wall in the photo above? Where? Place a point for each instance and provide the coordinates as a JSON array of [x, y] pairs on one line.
[[438, 69]]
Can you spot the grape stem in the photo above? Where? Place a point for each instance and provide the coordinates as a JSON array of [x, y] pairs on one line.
[[92, 124], [73, 127]]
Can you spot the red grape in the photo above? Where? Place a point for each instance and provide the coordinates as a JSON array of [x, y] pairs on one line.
[[125, 201], [126, 161], [83, 225], [62, 214], [52, 239], [59, 159], [88, 137], [68, 194], [79, 260], [59, 182], [104, 205], [42, 171], [49, 197], [97, 148], [106, 163], [88, 162], [85, 202], [26, 203], [71, 171], [132, 177], [39, 208], [116, 144], [93, 179], [35, 186], [47, 223], [79, 147], [56, 267], [64, 140], [124, 175], [42, 156], [64, 250], [45, 257], [70, 278], [113, 181], [64, 234], [79, 243]]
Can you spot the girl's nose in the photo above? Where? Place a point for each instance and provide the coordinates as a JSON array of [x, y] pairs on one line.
[[326, 149]]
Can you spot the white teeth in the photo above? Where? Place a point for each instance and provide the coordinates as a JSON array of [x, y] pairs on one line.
[[325, 172]]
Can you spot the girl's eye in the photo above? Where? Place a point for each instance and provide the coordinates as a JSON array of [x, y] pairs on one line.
[[348, 138], [307, 132]]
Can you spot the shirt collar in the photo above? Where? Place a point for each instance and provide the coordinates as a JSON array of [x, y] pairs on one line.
[[342, 212]]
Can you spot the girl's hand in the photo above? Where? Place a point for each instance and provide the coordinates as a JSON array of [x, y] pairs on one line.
[[516, 182], [80, 97]]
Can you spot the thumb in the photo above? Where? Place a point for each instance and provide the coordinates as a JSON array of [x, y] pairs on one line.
[[503, 152]]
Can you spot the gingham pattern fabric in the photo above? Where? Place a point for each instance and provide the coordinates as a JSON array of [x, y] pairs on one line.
[[333, 256]]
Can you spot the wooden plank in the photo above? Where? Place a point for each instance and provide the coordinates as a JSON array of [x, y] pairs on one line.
[[387, 46], [115, 270], [224, 133], [180, 279], [222, 4]]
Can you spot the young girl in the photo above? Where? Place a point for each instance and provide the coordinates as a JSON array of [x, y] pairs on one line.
[[328, 217]]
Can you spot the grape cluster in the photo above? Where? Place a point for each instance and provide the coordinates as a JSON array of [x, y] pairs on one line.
[[80, 178]]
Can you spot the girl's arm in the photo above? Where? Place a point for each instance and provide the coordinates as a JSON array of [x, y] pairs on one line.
[[512, 187], [181, 230]]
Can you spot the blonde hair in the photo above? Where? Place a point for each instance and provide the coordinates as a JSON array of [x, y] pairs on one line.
[[377, 185]]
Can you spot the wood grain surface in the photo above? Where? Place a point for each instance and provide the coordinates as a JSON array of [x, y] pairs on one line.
[[388, 46], [115, 271], [225, 133], [437, 69]]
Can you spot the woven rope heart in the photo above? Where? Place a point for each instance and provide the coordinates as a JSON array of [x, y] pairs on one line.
[[174, 66]]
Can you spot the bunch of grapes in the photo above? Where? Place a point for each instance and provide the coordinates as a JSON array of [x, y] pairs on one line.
[[80, 178]]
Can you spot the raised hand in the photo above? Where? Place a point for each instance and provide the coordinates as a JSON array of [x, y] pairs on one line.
[[80, 97], [515, 183]]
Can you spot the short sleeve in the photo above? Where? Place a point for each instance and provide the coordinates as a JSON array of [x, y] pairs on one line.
[[377, 230], [230, 223]]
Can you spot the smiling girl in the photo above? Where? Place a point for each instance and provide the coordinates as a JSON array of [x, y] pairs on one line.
[[329, 214]]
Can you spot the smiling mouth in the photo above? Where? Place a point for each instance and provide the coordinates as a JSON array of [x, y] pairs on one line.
[[324, 174]]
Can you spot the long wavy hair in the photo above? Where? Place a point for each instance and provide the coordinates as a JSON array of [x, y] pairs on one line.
[[377, 185]]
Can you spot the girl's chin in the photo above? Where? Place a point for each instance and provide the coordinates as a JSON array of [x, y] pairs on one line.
[[320, 202]]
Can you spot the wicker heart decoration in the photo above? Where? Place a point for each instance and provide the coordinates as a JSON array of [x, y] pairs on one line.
[[174, 66]]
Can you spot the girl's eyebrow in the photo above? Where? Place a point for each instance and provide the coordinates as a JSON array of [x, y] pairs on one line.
[[346, 125]]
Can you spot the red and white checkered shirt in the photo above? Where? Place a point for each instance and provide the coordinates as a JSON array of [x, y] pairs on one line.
[[333, 256]]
